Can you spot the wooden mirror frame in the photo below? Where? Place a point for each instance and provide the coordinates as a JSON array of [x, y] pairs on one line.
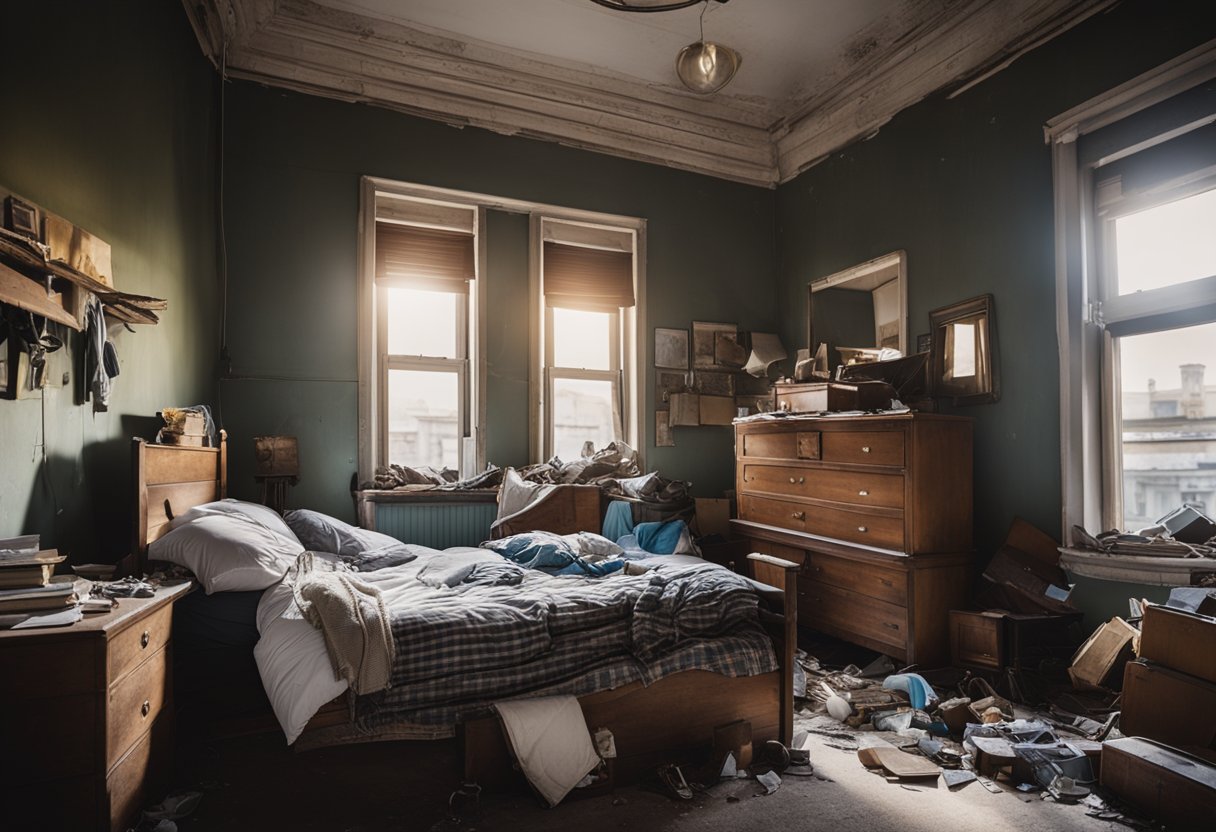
[[982, 307]]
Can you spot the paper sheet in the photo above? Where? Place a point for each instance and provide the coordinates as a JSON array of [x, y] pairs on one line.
[[766, 348]]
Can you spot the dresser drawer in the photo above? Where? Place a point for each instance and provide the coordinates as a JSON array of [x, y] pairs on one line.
[[134, 703], [780, 513], [977, 639], [839, 612], [141, 639], [856, 527], [869, 447], [890, 585], [141, 775], [860, 488], [781, 445]]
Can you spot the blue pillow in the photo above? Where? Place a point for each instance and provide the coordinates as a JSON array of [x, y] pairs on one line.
[[550, 553]]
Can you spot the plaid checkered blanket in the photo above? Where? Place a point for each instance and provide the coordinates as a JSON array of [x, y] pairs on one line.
[[471, 629]]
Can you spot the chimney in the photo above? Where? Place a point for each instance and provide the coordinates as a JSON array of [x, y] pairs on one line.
[[1192, 390]]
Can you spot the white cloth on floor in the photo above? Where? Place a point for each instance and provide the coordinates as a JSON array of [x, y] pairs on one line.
[[551, 742]]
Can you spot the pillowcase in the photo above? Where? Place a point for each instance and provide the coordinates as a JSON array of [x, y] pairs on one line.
[[227, 552], [364, 549], [267, 518]]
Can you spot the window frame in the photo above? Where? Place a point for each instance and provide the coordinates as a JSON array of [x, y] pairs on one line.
[[625, 328], [1087, 350]]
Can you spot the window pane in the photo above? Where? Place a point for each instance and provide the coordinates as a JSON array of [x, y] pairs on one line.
[[422, 323], [1169, 422], [423, 418], [582, 340], [583, 410], [1168, 244]]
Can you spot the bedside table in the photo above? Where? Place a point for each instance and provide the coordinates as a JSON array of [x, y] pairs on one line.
[[86, 716]]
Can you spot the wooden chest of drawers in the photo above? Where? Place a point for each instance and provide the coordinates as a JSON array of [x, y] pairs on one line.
[[86, 717], [877, 509]]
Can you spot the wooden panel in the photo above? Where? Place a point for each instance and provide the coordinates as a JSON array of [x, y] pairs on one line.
[[25, 293], [890, 585], [134, 702], [975, 640], [51, 805], [867, 529], [165, 464], [940, 486], [839, 612], [137, 641], [56, 740], [140, 776], [861, 488], [771, 512], [808, 445], [177, 498], [864, 447], [936, 590], [31, 675], [777, 445]]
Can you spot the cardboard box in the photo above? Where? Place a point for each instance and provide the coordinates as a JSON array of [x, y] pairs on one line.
[[1169, 786], [1179, 640], [1167, 706], [1099, 662]]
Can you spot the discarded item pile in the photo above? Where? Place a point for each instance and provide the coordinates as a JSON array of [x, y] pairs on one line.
[[1185, 532]]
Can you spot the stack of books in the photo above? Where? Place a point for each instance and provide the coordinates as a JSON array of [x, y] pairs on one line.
[[27, 582]]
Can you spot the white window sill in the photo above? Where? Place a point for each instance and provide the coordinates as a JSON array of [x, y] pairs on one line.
[[1129, 569]]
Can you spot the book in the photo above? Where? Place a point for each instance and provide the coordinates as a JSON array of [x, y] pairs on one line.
[[25, 576], [42, 556], [58, 585], [51, 602], [17, 547]]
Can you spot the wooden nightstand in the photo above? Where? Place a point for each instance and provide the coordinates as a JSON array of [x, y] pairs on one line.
[[86, 717]]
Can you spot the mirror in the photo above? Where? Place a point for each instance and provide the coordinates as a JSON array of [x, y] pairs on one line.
[[964, 352], [861, 307]]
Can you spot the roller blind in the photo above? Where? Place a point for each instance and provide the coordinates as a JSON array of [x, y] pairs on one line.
[[424, 258], [587, 278]]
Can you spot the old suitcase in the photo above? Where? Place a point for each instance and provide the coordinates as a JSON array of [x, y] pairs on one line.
[[1174, 788]]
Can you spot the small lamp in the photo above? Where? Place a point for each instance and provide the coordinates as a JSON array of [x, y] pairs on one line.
[[276, 466]]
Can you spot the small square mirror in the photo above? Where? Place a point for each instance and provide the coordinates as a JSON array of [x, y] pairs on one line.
[[965, 361]]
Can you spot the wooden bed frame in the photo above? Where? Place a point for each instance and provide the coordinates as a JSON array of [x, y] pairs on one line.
[[652, 725]]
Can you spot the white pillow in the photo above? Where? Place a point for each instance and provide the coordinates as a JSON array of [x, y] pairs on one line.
[[265, 517], [227, 552]]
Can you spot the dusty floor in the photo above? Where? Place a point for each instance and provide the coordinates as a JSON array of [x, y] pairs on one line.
[[256, 783]]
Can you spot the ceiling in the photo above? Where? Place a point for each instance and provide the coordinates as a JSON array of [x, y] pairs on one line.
[[816, 74]]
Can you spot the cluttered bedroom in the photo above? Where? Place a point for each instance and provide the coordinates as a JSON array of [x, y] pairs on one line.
[[455, 415]]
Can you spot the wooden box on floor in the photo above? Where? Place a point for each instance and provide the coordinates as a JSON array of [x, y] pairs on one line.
[[1170, 707], [1171, 787]]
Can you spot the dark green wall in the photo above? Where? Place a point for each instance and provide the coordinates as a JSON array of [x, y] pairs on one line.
[[109, 121], [965, 187], [293, 164]]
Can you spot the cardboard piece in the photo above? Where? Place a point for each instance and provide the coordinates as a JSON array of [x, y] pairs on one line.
[[1168, 706], [1099, 662], [685, 410], [1171, 787], [1182, 641], [897, 763], [717, 410]]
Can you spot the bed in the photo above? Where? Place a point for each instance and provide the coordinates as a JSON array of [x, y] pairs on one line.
[[652, 722]]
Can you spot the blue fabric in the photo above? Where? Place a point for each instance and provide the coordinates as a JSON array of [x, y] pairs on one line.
[[551, 553], [660, 538], [618, 520], [919, 691]]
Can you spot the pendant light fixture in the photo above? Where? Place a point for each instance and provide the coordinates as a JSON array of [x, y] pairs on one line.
[[703, 67]]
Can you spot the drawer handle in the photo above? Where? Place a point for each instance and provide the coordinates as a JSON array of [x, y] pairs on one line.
[[865, 449], [799, 515], [145, 708], [890, 626], [863, 493], [885, 582], [144, 639], [791, 479], [862, 529]]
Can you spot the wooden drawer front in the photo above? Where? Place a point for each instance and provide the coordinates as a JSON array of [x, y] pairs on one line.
[[890, 585], [780, 513], [840, 612], [856, 527], [134, 704], [33, 670], [138, 641], [857, 487], [43, 741], [869, 447], [782, 445], [141, 775], [975, 640]]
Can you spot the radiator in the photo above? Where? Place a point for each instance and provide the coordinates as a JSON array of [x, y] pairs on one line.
[[438, 525]]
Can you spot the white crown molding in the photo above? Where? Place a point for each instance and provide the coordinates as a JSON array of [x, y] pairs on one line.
[[924, 47]]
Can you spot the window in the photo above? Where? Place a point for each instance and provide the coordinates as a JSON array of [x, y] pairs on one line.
[[586, 294], [1135, 188], [424, 256]]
